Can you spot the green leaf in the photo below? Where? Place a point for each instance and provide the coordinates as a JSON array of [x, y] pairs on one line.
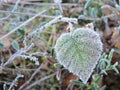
[[78, 83], [58, 12], [15, 45], [75, 82], [105, 63], [93, 12], [1, 45], [79, 51], [21, 31], [115, 67], [102, 65], [110, 55], [81, 17], [95, 84], [57, 65], [5, 87], [96, 78], [87, 4], [117, 51], [52, 52]]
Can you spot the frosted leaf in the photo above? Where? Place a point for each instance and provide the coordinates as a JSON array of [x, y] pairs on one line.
[[79, 51]]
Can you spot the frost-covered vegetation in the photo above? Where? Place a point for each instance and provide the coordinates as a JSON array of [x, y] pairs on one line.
[[43, 41]]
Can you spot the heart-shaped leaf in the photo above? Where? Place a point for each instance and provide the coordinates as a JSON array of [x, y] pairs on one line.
[[79, 51]]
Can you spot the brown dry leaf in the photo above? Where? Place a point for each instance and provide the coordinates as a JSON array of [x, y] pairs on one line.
[[17, 61], [117, 44], [69, 77], [107, 10], [116, 38], [6, 41], [46, 66], [76, 9], [116, 58]]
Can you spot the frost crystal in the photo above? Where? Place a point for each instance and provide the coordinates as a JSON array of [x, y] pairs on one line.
[[79, 51]]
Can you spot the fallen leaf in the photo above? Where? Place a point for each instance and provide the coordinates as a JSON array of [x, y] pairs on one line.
[[68, 77], [115, 38]]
